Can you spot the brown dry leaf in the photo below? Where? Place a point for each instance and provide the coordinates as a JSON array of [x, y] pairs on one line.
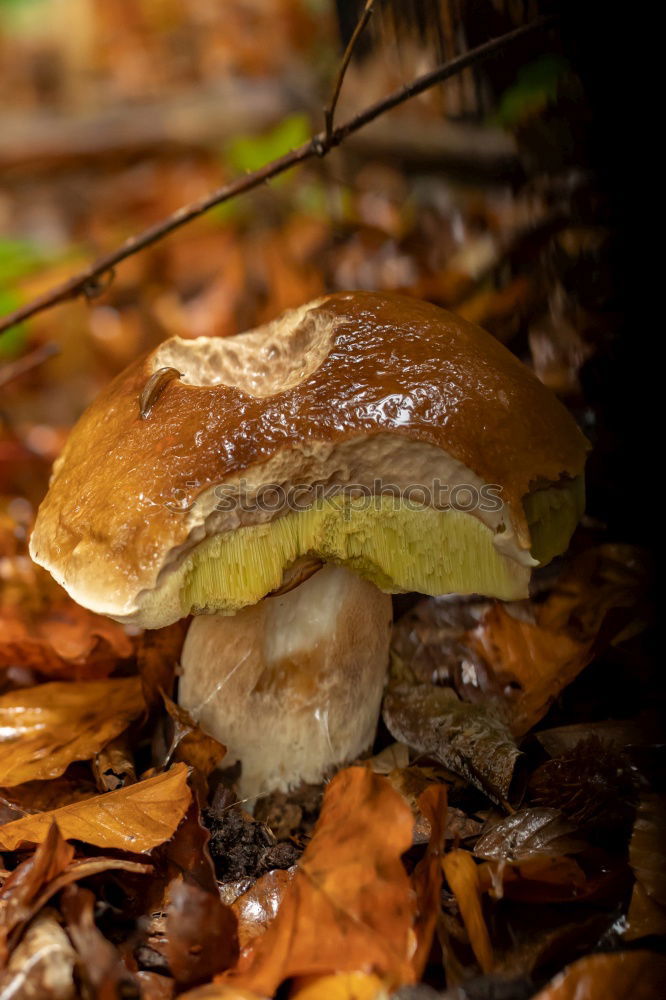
[[527, 833], [113, 766], [44, 630], [462, 874], [639, 975], [220, 991], [544, 655], [157, 655], [100, 965], [468, 739], [45, 728], [189, 743], [136, 818], [539, 879], [427, 876], [256, 908], [645, 916], [201, 937], [350, 904], [25, 884]]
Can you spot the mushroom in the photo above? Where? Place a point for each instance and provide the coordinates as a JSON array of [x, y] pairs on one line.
[[279, 485]]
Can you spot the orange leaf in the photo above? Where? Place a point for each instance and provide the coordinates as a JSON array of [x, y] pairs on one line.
[[637, 974], [341, 986], [546, 654], [427, 876], [350, 905], [44, 728], [463, 877], [43, 629], [136, 818]]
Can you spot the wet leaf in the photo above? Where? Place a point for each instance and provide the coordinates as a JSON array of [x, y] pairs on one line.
[[462, 874], [539, 879], [201, 937], [350, 903], [43, 629], [636, 974], [465, 738], [136, 818], [44, 728], [528, 833], [256, 908]]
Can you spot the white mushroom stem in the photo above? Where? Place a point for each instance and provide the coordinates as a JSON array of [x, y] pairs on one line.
[[293, 685]]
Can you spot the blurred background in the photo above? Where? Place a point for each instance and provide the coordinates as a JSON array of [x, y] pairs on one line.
[[484, 195]]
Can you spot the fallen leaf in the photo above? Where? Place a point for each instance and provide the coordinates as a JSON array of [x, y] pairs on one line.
[[462, 874], [646, 849], [341, 986], [539, 879], [637, 974], [44, 728], [157, 655], [427, 876], [591, 604], [468, 739], [258, 906], [44, 630], [645, 916], [526, 833], [201, 937], [100, 965], [26, 882], [189, 743], [350, 904], [42, 965], [136, 818], [113, 766]]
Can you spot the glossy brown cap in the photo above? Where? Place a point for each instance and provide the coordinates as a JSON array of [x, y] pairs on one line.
[[351, 365]]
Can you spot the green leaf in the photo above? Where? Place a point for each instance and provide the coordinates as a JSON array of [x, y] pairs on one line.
[[535, 87], [13, 342], [247, 153]]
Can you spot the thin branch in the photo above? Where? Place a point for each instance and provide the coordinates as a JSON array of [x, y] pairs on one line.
[[15, 369], [87, 282], [329, 112]]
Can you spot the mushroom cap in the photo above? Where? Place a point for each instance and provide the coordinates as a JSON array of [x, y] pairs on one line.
[[350, 385]]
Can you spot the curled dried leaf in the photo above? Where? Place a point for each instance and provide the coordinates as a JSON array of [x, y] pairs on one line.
[[42, 965]]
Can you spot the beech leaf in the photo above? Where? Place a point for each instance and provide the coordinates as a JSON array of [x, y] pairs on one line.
[[636, 974], [43, 629], [136, 818], [527, 833], [44, 728], [350, 904]]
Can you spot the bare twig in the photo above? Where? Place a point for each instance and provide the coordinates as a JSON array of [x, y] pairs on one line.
[[329, 112], [319, 145], [27, 363]]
